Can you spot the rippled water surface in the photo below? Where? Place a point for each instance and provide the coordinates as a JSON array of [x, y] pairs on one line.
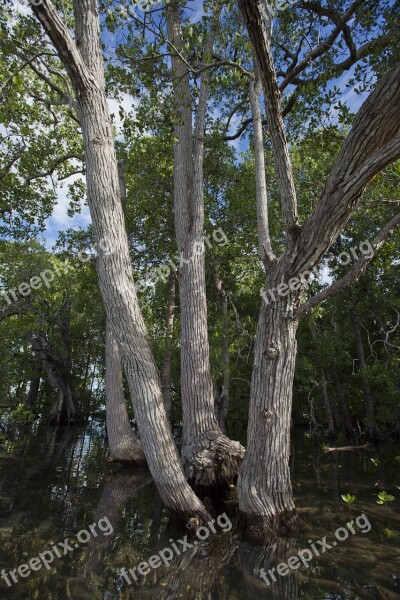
[[54, 484]]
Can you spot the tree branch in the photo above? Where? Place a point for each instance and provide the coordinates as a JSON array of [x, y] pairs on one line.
[[372, 143], [264, 240], [67, 51], [289, 106], [324, 46], [260, 38], [54, 166], [239, 132], [355, 272], [7, 167], [337, 69]]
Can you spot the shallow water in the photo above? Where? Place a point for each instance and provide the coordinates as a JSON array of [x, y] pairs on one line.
[[53, 485]]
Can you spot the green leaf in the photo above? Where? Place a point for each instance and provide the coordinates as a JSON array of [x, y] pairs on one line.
[[348, 498]]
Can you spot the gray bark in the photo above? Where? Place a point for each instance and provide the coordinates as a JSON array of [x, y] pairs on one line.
[[264, 241], [208, 456], [373, 142], [84, 63], [222, 398], [264, 486], [169, 336], [124, 446]]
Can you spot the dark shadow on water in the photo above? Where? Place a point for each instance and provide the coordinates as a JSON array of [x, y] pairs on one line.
[[54, 484]]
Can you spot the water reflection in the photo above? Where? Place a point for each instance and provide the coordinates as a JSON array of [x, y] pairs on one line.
[[54, 483], [254, 560]]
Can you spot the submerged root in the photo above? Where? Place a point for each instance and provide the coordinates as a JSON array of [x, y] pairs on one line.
[[213, 460], [260, 529]]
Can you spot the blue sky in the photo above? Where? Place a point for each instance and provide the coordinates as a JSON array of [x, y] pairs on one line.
[[60, 221]]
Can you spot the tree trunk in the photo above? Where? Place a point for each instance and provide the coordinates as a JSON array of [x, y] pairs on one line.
[[322, 378], [169, 336], [34, 387], [222, 399], [342, 401], [65, 359], [327, 404], [208, 456], [264, 486], [125, 447], [55, 366], [84, 62], [373, 430]]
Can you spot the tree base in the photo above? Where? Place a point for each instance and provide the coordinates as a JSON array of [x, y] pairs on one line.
[[128, 456], [260, 529], [212, 461]]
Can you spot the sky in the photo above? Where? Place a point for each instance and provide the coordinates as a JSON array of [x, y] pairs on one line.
[[60, 221]]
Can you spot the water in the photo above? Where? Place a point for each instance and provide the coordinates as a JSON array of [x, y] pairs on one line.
[[53, 485]]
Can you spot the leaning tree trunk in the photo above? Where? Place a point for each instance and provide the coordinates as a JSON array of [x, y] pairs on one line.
[[84, 62], [208, 456], [373, 430], [124, 446]]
